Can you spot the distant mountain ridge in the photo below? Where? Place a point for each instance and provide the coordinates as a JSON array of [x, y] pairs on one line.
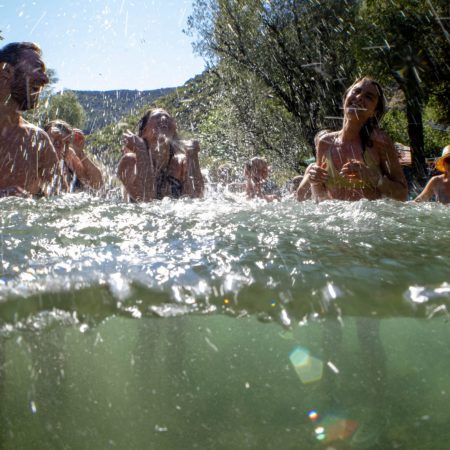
[[106, 107]]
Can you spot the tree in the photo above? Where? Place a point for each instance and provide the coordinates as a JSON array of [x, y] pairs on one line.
[[63, 105], [296, 52], [66, 106], [406, 41]]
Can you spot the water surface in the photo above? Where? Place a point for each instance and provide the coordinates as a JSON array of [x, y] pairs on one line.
[[223, 323]]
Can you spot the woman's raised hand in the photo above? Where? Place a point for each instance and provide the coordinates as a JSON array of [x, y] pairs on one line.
[[132, 143]]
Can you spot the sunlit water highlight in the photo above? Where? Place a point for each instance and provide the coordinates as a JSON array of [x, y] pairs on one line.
[[223, 324]]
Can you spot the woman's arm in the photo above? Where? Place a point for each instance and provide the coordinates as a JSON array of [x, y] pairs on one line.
[[317, 174], [304, 189], [392, 183], [136, 169], [428, 191], [193, 184]]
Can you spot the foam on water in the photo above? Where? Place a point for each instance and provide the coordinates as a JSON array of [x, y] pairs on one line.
[[281, 261]]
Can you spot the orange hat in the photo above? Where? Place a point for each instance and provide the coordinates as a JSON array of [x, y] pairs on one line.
[[445, 156]]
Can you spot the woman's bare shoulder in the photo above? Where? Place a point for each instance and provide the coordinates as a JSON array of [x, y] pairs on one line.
[[325, 137], [380, 136]]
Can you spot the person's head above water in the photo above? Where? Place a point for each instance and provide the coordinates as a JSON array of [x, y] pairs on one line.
[[364, 102], [443, 163], [157, 122], [22, 74], [256, 169], [60, 133]]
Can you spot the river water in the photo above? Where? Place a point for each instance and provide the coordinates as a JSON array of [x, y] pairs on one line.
[[223, 324]]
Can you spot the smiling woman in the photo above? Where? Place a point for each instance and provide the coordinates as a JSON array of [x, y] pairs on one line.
[[360, 160]]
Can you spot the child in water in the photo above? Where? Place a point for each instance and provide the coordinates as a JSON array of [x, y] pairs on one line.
[[256, 172], [439, 185]]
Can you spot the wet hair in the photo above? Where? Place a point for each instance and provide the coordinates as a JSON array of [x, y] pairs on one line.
[[380, 110], [255, 161], [11, 53], [62, 126], [146, 117]]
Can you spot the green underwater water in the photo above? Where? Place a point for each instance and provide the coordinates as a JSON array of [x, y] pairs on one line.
[[223, 324]]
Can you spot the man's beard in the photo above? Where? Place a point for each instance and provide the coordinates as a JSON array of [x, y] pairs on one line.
[[21, 93]]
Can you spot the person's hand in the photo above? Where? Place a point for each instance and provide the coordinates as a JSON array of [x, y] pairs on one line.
[[317, 174], [358, 171], [192, 147], [78, 141], [132, 143]]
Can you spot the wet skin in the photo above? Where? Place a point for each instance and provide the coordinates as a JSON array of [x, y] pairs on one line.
[[147, 159], [438, 186], [256, 175], [28, 161], [69, 147], [376, 173]]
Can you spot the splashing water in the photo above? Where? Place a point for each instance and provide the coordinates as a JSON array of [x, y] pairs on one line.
[[114, 316]]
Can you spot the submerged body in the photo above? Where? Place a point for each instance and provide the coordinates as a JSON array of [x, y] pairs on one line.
[[118, 315]]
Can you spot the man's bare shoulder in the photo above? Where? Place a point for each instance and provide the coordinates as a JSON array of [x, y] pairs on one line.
[[35, 132]]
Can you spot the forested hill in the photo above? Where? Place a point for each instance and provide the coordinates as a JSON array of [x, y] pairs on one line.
[[105, 107], [192, 105]]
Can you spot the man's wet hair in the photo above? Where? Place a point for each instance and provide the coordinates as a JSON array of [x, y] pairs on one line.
[[11, 53]]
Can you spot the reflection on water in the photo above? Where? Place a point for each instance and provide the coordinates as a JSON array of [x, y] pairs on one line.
[[223, 324]]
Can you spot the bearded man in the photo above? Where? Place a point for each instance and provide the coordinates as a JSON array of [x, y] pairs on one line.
[[28, 161]]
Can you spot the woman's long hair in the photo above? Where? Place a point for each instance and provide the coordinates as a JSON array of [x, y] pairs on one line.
[[373, 122]]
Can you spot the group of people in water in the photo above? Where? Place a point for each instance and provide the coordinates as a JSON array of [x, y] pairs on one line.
[[357, 162]]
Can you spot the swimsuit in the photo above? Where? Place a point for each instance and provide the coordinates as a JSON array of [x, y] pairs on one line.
[[336, 180], [167, 184]]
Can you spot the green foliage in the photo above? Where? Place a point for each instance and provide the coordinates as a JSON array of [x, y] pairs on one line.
[[405, 41], [396, 124], [439, 106], [281, 67], [66, 106], [278, 70]]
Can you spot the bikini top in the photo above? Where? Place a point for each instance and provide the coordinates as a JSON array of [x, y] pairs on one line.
[[336, 180], [168, 184]]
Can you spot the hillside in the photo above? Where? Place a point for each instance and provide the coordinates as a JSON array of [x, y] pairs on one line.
[[190, 104], [106, 107]]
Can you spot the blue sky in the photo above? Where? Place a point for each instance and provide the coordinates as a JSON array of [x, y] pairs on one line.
[[106, 44]]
